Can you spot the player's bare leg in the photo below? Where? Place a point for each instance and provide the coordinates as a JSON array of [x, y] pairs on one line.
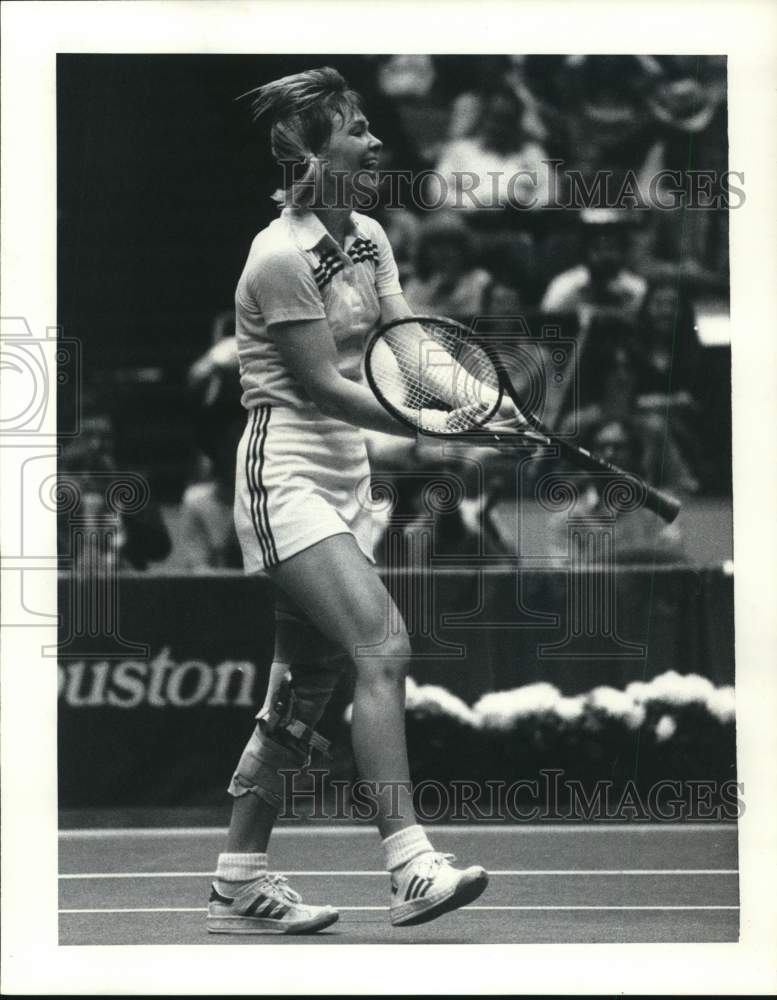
[[246, 898], [250, 825], [252, 817], [342, 592]]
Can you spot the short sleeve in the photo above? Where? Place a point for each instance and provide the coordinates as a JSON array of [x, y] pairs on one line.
[[282, 284], [386, 273]]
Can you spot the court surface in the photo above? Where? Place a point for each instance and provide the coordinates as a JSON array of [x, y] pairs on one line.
[[570, 883]]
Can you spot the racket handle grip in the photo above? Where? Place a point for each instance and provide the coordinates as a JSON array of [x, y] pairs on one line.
[[666, 506], [662, 504]]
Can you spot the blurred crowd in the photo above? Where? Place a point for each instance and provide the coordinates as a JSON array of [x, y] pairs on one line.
[[622, 131], [620, 281]]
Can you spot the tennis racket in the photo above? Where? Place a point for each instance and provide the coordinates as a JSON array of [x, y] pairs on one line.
[[430, 374]]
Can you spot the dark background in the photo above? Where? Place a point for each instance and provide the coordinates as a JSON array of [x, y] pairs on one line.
[[162, 184]]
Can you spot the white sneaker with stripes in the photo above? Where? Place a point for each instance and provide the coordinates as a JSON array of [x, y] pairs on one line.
[[429, 886], [265, 905]]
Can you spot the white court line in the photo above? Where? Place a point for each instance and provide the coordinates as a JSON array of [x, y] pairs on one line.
[[383, 909], [516, 871], [348, 830]]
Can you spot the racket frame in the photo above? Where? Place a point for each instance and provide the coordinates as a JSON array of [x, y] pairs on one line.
[[663, 504], [477, 428]]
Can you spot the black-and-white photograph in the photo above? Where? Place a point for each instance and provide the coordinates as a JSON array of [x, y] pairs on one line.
[[445, 606], [393, 494]]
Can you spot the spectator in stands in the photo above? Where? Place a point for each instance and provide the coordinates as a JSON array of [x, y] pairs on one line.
[[445, 494], [542, 82], [461, 524], [214, 391], [608, 126], [608, 383], [668, 344], [118, 540], [694, 252], [447, 280], [687, 104], [208, 539], [639, 535], [508, 165], [406, 109], [213, 378], [511, 258], [403, 230], [602, 282], [688, 98], [406, 75], [491, 74], [502, 298], [608, 366], [670, 364]]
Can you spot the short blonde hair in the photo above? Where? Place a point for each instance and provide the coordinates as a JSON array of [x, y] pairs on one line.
[[302, 108]]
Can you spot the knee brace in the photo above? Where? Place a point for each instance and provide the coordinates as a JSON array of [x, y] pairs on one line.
[[285, 738], [315, 664], [260, 766], [286, 720], [282, 741]]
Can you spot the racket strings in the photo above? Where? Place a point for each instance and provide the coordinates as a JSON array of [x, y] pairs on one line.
[[434, 377]]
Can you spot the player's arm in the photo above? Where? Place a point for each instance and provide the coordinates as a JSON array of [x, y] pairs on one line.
[[282, 285], [309, 352], [394, 307]]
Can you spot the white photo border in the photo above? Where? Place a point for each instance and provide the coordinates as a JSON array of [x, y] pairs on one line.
[[33, 33]]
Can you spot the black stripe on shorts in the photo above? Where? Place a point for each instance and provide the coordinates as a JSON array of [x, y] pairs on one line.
[[256, 489]]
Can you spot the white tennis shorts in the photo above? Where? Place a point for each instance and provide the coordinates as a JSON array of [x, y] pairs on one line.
[[300, 478]]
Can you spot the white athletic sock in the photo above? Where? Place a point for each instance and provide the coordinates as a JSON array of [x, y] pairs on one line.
[[240, 867], [405, 845]]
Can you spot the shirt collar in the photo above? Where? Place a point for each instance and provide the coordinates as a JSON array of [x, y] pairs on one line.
[[308, 230]]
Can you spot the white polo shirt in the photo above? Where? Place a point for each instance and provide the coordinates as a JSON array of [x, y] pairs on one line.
[[296, 271], [571, 289]]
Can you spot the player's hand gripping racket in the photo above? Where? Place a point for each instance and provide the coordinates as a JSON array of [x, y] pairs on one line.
[[431, 375]]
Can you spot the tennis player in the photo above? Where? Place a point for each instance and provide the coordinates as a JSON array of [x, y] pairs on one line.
[[317, 281]]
